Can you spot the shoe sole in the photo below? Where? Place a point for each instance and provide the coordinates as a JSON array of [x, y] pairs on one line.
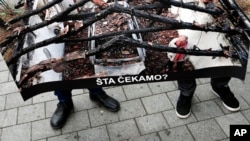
[[183, 116], [227, 107]]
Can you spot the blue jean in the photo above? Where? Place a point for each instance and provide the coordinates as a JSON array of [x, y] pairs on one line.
[[187, 87], [66, 95]]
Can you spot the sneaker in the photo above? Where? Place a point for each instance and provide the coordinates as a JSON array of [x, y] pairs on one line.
[[183, 107], [60, 115], [227, 97]]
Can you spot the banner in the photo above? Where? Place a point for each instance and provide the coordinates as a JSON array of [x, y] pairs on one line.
[[66, 44]]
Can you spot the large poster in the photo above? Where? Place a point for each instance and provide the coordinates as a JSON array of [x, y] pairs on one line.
[[68, 44]]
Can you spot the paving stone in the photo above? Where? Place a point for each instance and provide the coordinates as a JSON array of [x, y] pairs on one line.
[[174, 95], [42, 140], [83, 102], [246, 113], [94, 134], [227, 120], [20, 132], [8, 87], [2, 102], [207, 130], [225, 139], [160, 87], [174, 121], [99, 116], [41, 129], [204, 92], [1, 57], [131, 109], [206, 110], [123, 130], [77, 91], [117, 93], [149, 137], [176, 134], [43, 97], [240, 88], [157, 103], [203, 80], [4, 77], [8, 117], [15, 100], [66, 137], [3, 66], [50, 108], [85, 91], [151, 123], [31, 113], [237, 85], [137, 91], [76, 121]]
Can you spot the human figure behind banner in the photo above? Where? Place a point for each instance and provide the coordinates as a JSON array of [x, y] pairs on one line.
[[65, 105], [187, 88], [180, 62]]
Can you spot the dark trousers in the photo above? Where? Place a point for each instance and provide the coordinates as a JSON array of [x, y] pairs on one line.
[[66, 95], [187, 87]]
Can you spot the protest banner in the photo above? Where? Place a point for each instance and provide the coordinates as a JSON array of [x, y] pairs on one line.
[[66, 44]]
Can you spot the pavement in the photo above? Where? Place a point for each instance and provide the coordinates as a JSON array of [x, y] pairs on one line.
[[147, 114]]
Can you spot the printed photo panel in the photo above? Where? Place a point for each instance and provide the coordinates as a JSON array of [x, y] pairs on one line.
[[70, 44]]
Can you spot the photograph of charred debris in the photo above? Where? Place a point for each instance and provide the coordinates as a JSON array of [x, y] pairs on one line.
[[59, 40]]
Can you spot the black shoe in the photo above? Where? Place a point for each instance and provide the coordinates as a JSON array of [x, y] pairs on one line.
[[183, 107], [60, 115], [227, 97], [108, 102]]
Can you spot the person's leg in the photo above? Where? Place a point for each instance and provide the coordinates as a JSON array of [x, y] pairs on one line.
[[64, 96], [100, 96], [221, 89], [187, 88], [63, 109]]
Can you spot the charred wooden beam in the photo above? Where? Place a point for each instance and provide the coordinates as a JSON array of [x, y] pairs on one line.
[[33, 12], [177, 24], [122, 9], [85, 15], [141, 44], [192, 7], [86, 23], [44, 23], [55, 63], [241, 51], [110, 34], [237, 16], [144, 7]]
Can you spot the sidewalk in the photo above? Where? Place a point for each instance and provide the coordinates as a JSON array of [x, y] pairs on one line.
[[147, 114]]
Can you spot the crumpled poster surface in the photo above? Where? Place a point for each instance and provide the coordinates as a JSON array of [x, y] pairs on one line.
[[77, 44]]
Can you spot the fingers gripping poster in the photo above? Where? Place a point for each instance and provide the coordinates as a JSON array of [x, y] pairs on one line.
[[69, 44]]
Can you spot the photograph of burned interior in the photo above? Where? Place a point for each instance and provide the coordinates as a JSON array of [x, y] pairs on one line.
[[66, 40]]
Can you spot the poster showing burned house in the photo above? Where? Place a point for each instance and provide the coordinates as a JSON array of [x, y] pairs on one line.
[[67, 44]]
